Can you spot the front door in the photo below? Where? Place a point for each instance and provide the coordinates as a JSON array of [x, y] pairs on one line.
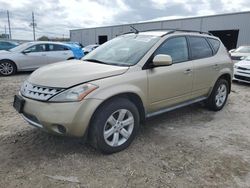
[[169, 85], [33, 57]]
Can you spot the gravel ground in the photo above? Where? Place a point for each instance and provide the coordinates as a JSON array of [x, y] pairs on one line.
[[189, 147]]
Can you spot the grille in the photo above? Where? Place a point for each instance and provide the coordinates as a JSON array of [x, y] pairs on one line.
[[38, 92], [236, 57], [242, 77], [242, 68]]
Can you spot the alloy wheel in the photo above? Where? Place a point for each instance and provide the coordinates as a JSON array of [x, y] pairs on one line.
[[221, 95], [118, 128], [6, 68]]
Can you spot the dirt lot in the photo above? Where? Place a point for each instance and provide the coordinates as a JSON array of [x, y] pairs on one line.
[[189, 147]]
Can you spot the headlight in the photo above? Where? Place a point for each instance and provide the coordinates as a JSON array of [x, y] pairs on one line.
[[243, 57], [74, 94]]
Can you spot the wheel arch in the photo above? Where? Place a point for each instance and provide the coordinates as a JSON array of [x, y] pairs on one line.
[[133, 97], [228, 78]]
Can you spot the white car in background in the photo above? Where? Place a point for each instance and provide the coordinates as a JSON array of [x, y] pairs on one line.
[[32, 55], [240, 53], [242, 70]]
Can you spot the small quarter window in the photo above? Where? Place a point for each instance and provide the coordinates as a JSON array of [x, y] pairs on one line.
[[215, 43]]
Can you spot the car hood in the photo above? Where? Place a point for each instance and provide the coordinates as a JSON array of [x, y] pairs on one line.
[[244, 64], [4, 52], [236, 54], [70, 73]]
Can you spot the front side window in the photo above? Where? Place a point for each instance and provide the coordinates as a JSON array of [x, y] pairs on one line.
[[199, 48], [176, 48], [126, 50], [37, 48]]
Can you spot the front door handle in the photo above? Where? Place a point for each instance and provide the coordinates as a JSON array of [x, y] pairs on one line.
[[43, 54], [188, 71]]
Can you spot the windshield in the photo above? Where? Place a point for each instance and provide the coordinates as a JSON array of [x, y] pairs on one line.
[[20, 47], [247, 59], [126, 50], [243, 49]]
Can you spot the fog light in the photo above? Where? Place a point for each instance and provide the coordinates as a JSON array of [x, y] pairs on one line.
[[61, 129]]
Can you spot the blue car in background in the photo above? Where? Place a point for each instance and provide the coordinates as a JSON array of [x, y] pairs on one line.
[[7, 45], [89, 48], [77, 50]]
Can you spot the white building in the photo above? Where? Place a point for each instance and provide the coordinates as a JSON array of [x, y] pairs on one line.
[[233, 29]]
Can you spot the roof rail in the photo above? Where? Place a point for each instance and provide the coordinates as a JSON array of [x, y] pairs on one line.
[[192, 31], [170, 31]]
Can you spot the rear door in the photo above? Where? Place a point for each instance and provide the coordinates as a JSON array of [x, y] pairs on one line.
[[33, 57], [170, 85], [57, 52], [206, 65]]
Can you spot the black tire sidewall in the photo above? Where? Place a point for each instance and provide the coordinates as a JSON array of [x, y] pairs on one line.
[[211, 101], [100, 118]]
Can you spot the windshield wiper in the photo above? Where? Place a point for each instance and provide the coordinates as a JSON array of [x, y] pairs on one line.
[[96, 61]]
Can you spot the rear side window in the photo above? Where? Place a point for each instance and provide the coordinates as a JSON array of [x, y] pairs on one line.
[[215, 43], [176, 48], [199, 48], [56, 47]]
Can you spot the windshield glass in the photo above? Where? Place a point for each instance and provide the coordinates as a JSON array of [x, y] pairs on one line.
[[125, 50], [247, 59], [243, 49], [20, 47]]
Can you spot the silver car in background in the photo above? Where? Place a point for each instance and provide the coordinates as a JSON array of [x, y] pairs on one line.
[[32, 55]]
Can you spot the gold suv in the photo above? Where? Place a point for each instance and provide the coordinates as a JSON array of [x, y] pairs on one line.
[[105, 96]]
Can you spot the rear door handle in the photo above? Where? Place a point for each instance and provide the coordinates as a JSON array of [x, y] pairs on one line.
[[43, 54], [188, 71]]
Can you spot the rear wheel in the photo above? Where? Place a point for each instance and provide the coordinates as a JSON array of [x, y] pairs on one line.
[[114, 125], [7, 68], [219, 95]]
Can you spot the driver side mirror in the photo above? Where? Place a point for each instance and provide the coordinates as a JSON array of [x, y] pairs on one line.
[[162, 60], [26, 51]]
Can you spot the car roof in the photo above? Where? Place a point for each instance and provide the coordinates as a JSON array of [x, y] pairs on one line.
[[46, 42]]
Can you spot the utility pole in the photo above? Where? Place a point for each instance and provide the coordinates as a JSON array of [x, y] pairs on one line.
[[33, 24], [8, 16], [5, 31]]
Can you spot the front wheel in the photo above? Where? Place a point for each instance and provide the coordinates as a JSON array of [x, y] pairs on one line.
[[114, 125], [7, 68], [219, 95]]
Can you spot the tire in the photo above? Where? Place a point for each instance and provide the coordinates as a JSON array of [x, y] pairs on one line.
[[105, 121], [7, 68], [219, 95]]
